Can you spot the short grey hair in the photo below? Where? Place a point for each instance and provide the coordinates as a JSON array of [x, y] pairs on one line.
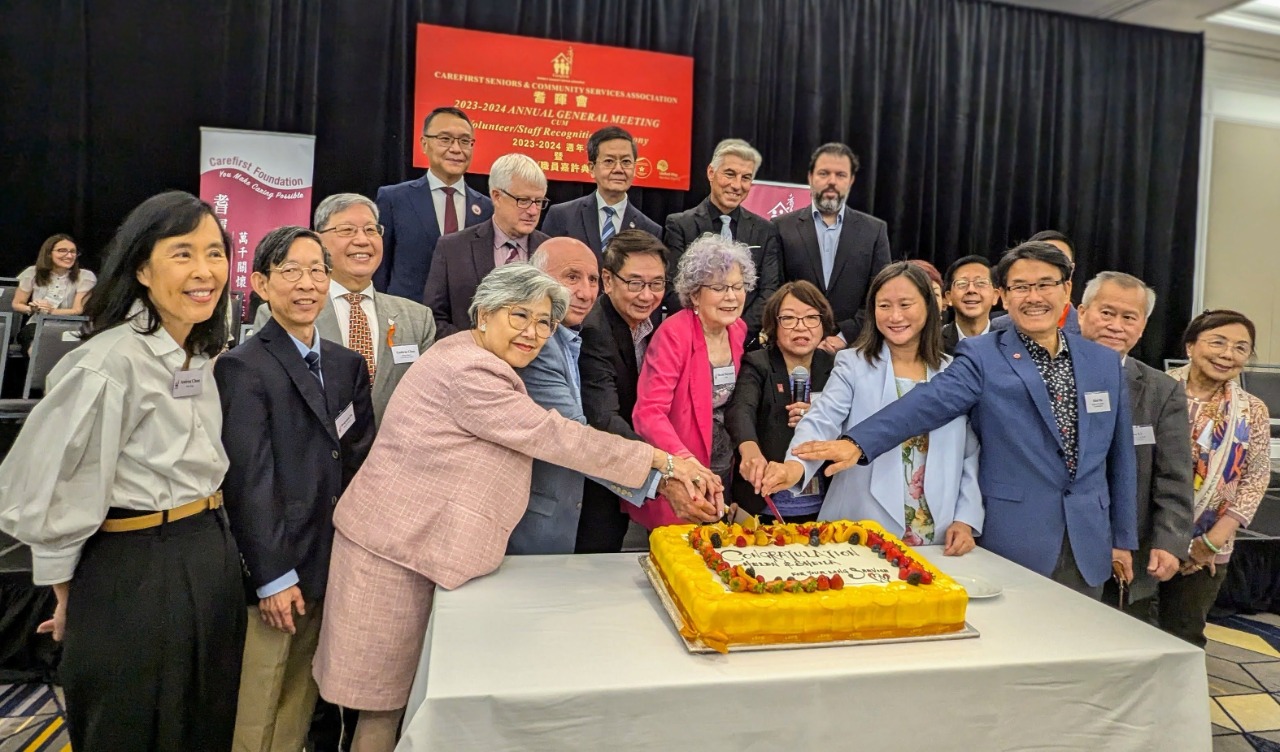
[[1127, 281], [736, 147], [711, 257], [540, 260], [515, 284], [337, 203], [274, 247], [511, 166]]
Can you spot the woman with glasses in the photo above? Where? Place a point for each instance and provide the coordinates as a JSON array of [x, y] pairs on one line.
[[55, 286], [691, 366], [926, 493], [446, 481], [1230, 449], [774, 391]]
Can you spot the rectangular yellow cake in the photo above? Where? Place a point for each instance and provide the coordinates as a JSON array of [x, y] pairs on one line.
[[816, 582]]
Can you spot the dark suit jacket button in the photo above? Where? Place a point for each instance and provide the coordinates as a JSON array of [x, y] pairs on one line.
[[335, 454], [333, 500]]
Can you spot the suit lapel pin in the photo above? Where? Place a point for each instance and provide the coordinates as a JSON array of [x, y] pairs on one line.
[[632, 225], [475, 209], [1017, 356]]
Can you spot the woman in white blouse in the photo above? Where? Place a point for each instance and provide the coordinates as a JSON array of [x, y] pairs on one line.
[[113, 482], [55, 286]]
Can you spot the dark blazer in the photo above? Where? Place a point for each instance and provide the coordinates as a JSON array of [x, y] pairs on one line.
[[580, 219], [862, 252], [1165, 496], [411, 232], [756, 231], [758, 411], [288, 464], [461, 260], [609, 371]]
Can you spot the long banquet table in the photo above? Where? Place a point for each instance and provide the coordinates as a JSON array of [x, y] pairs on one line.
[[576, 653]]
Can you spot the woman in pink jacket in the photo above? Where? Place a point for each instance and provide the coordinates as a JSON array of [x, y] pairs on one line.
[[691, 366]]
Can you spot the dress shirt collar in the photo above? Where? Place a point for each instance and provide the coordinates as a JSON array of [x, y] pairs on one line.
[[159, 342], [715, 213], [336, 290], [818, 220], [435, 183], [961, 335], [500, 239], [1037, 351], [620, 207], [304, 348]]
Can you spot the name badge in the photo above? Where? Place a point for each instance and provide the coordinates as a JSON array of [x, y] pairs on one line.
[[345, 419], [1097, 402], [404, 353], [187, 384], [723, 376], [1143, 435]]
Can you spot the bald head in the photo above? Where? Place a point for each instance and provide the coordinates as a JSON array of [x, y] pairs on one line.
[[574, 265]]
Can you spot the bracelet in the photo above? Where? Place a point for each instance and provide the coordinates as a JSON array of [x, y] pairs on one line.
[[1207, 544], [670, 472]]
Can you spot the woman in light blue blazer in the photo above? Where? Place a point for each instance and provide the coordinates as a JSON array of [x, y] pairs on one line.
[[927, 493]]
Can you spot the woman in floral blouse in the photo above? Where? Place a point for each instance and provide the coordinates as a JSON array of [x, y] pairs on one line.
[[1230, 445]]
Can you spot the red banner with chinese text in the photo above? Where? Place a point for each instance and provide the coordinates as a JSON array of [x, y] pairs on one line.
[[544, 98]]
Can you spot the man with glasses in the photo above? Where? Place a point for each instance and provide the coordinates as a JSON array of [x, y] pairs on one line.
[[971, 294], [830, 245], [389, 331], [417, 213], [1069, 320], [1051, 409], [594, 219], [518, 189], [297, 425]]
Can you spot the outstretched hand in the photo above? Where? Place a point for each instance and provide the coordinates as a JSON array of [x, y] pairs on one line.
[[842, 454]]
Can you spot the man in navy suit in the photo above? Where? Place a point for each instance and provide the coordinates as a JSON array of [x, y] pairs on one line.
[[418, 212], [595, 218], [297, 425], [1057, 471]]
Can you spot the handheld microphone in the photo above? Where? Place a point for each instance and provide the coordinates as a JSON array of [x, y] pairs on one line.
[[800, 384]]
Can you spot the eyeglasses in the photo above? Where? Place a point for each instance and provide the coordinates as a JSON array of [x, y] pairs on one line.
[[1218, 344], [520, 319], [524, 202], [791, 322], [722, 289], [293, 272], [1043, 286], [446, 141], [349, 231], [66, 251], [636, 285], [627, 163], [964, 284]]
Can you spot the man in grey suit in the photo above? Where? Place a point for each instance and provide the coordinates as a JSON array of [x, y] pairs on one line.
[[1114, 313], [550, 524], [595, 218], [389, 331], [836, 248]]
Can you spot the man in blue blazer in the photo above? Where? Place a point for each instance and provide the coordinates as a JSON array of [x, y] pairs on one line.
[[418, 212], [595, 218], [1070, 318], [297, 425], [1057, 471]]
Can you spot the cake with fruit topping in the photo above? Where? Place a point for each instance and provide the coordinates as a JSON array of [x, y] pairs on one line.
[[752, 584]]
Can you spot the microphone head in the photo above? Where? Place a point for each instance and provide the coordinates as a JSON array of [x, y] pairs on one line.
[[800, 373]]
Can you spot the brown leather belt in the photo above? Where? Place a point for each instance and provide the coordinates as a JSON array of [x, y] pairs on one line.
[[156, 519]]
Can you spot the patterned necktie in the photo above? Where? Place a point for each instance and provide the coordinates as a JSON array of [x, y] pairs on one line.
[[313, 365], [513, 252], [725, 232], [608, 231], [450, 210], [358, 336]]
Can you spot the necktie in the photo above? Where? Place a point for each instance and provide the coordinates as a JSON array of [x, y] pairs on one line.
[[450, 211], [358, 336], [725, 232], [313, 365], [608, 231], [513, 252]]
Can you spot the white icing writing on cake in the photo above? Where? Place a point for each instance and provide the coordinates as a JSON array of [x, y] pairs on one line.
[[857, 565]]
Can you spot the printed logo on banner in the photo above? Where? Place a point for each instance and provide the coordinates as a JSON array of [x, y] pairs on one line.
[[771, 200], [562, 64]]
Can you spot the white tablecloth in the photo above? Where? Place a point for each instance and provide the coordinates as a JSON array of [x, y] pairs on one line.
[[576, 653]]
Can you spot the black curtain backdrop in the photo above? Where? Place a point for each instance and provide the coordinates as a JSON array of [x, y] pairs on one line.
[[977, 123]]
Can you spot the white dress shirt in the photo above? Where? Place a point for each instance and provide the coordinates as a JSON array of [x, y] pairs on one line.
[[342, 309], [961, 335], [109, 433], [438, 197], [619, 208]]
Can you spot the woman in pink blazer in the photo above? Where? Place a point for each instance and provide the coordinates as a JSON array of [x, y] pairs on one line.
[[691, 366], [445, 482]]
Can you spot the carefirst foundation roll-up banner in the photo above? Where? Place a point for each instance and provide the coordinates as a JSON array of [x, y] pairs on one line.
[[256, 181]]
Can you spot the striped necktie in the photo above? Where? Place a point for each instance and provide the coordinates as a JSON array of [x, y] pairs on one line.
[[608, 232]]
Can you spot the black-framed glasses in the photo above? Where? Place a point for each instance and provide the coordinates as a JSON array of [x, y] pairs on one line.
[[812, 321], [636, 285], [1042, 287], [626, 163], [524, 202], [349, 231], [446, 141], [293, 272], [520, 319]]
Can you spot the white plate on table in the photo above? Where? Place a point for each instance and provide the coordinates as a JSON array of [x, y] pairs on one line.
[[977, 587]]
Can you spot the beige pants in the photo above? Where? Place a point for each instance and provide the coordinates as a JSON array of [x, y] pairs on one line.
[[277, 693]]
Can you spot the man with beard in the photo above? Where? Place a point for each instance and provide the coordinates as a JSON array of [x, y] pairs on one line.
[[837, 249], [970, 294]]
